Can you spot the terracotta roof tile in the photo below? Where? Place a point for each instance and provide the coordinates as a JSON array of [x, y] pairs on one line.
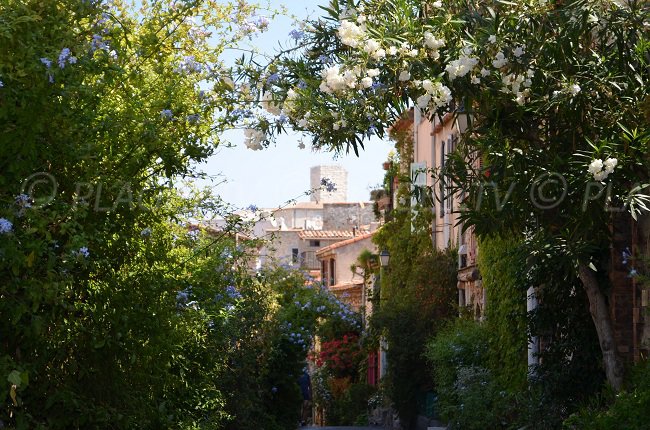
[[326, 234], [327, 249]]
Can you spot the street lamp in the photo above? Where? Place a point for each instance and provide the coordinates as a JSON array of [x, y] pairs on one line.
[[384, 258]]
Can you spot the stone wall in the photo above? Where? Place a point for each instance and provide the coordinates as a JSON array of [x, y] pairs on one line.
[[345, 216]]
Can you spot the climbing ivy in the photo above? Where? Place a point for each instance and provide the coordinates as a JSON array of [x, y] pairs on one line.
[[506, 310]]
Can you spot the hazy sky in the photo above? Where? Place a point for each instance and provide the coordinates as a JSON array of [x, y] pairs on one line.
[[271, 177]]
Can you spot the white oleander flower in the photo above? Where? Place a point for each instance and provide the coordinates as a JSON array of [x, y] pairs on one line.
[[366, 82], [378, 54], [610, 164], [373, 73], [432, 42], [269, 104], [492, 39], [371, 46], [595, 166], [500, 60], [574, 89], [460, 67], [350, 33], [519, 51], [253, 139], [404, 76]]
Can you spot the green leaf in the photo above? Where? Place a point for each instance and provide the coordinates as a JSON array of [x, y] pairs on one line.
[[14, 378]]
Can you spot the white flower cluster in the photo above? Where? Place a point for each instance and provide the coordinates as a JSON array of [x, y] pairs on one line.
[[601, 169], [374, 48], [460, 67], [437, 95], [253, 139], [572, 89], [500, 60], [269, 104], [512, 84], [335, 80], [434, 44], [351, 34], [289, 102]]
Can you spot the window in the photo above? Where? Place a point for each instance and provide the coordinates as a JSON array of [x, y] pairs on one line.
[[323, 272], [332, 272], [315, 243], [294, 255]]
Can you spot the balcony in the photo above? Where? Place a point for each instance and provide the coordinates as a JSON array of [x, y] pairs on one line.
[[308, 260]]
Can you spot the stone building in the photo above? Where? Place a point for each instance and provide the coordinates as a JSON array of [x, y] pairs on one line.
[[336, 263], [295, 232]]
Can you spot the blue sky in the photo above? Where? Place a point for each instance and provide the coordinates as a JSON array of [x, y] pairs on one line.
[[270, 177]]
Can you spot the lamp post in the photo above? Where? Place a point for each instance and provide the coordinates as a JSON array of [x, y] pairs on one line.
[[384, 259]]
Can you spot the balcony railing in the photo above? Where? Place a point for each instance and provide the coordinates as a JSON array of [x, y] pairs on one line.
[[309, 261]]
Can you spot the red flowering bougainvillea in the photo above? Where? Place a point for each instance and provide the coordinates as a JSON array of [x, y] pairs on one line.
[[340, 356]]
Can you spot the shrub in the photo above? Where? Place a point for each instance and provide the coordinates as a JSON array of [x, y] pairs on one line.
[[629, 410], [469, 395]]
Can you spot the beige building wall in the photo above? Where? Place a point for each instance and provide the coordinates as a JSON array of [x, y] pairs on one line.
[[433, 141]]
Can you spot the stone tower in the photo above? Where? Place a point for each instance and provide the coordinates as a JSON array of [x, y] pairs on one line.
[[336, 175]]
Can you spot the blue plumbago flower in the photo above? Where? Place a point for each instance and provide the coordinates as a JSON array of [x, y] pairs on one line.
[[2, 84], [50, 78], [296, 34], [183, 296], [97, 43], [146, 232], [189, 65], [252, 208], [302, 84], [262, 22], [328, 184], [632, 273], [113, 54], [194, 234], [83, 252], [166, 114], [23, 200], [275, 77], [63, 57], [324, 59], [377, 86], [626, 255], [372, 130], [232, 292], [274, 390], [193, 118], [283, 118], [47, 62], [241, 113], [5, 226]]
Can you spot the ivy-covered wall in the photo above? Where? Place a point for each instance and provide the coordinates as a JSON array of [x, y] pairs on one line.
[[505, 311]]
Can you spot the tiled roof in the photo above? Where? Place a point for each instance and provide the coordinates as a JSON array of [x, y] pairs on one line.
[[326, 234], [333, 246]]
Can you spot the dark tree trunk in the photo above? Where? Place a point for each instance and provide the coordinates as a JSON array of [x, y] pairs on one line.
[[601, 315]]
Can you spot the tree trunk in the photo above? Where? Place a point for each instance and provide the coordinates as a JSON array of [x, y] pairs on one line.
[[603, 321]]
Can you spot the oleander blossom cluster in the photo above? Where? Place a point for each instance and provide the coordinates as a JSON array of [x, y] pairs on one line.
[[601, 169], [253, 139]]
